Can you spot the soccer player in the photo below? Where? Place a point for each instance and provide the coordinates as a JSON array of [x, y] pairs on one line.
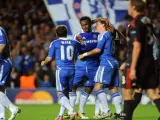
[[85, 69], [118, 41], [5, 70], [63, 50], [107, 73], [140, 68]]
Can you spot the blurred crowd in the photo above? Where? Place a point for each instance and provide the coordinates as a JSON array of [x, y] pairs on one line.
[[30, 31]]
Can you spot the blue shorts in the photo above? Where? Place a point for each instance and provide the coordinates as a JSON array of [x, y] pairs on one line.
[[107, 75], [64, 79], [5, 70], [84, 75]]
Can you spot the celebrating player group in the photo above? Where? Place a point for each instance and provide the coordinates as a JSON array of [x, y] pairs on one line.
[[89, 59]]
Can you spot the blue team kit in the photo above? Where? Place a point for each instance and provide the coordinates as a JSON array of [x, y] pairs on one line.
[[85, 69], [5, 62], [64, 51], [107, 72]]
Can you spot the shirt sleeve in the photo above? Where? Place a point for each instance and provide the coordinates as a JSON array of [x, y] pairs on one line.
[[51, 50], [74, 38], [2, 40], [101, 40]]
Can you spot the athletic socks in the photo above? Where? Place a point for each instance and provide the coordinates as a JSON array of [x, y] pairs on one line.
[[103, 100], [97, 107], [65, 102], [62, 110], [6, 102], [83, 100], [128, 109], [117, 101], [2, 112], [72, 98], [137, 98]]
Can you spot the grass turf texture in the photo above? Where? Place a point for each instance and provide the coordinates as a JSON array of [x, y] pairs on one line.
[[49, 112]]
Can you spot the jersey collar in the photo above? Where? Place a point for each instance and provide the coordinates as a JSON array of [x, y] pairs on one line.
[[63, 38]]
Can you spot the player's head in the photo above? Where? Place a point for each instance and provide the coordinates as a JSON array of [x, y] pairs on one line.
[[86, 23], [103, 24], [61, 31], [137, 6]]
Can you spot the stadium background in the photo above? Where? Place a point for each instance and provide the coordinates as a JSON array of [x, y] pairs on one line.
[[30, 26]]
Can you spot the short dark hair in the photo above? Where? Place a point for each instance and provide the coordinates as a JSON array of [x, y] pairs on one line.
[[61, 31], [139, 5], [86, 18]]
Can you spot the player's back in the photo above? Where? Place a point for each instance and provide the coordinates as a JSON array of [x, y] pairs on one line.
[[107, 53], [64, 51], [4, 40], [90, 40]]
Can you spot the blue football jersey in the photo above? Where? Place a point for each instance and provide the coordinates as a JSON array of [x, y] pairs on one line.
[[90, 40], [64, 50], [105, 43], [4, 40]]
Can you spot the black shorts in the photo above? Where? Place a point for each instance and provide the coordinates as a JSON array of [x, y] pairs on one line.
[[147, 81]]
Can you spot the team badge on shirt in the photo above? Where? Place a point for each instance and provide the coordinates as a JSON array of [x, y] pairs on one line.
[[95, 36]]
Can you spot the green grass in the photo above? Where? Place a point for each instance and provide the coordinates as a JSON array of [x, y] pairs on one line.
[[49, 112]]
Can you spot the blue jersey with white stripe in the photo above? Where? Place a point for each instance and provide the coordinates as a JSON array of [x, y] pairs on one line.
[[105, 44], [90, 40], [64, 51], [4, 41]]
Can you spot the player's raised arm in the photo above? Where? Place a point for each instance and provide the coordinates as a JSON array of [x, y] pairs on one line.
[[97, 50]]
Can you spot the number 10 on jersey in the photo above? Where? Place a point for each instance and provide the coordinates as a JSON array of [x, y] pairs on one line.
[[67, 52]]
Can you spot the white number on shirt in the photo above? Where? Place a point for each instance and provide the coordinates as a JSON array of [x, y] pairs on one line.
[[67, 53]]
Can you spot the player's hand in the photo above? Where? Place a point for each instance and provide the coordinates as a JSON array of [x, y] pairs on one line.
[[122, 67], [80, 57], [79, 38], [132, 74], [42, 63]]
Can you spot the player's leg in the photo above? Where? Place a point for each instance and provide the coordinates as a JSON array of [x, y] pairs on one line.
[[117, 101], [155, 98], [90, 73], [2, 112], [127, 95], [137, 97], [5, 69], [150, 86], [100, 79], [158, 90], [61, 85], [63, 109], [98, 108], [116, 97], [78, 78]]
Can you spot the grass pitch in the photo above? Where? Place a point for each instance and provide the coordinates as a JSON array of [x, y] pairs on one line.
[[49, 112]]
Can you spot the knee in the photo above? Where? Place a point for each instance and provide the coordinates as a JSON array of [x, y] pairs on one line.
[[139, 90], [74, 88], [127, 94], [98, 86], [151, 93], [113, 89], [88, 90], [59, 93]]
